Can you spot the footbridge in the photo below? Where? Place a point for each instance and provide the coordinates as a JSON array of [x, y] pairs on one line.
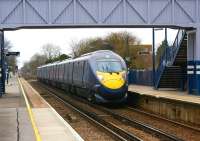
[[134, 13], [182, 14]]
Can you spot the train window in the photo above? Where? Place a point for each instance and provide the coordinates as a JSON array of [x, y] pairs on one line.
[[109, 66]]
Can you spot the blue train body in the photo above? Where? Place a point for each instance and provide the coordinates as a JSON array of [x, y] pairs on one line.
[[98, 76]]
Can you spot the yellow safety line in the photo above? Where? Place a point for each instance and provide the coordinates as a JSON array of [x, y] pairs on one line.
[[36, 131]]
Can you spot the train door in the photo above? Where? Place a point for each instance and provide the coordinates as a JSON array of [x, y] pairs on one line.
[[80, 73], [50, 72], [63, 74], [75, 73], [54, 72], [52, 75], [72, 69], [57, 72], [85, 74], [66, 78], [83, 65], [44, 73], [60, 73], [67, 73]]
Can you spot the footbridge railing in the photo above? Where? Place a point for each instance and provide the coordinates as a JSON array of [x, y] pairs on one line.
[[169, 55]]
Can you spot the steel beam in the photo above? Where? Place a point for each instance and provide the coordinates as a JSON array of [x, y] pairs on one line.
[[99, 13]]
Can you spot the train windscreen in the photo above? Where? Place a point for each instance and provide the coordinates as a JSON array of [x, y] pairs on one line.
[[109, 65]]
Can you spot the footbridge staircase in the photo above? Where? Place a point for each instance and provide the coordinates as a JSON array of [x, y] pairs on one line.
[[172, 68]]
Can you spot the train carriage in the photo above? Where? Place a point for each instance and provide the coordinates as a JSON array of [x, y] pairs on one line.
[[98, 76]]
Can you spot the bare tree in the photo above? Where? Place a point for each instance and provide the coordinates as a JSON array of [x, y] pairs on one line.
[[7, 45], [29, 68], [51, 51], [117, 42], [74, 48]]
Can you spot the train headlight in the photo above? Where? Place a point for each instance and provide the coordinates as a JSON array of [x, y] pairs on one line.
[[100, 77]]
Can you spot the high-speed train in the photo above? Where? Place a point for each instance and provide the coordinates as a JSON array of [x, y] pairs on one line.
[[99, 76]]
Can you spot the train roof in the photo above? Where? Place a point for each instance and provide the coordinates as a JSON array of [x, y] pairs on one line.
[[98, 51], [50, 64], [82, 57], [55, 63], [95, 53]]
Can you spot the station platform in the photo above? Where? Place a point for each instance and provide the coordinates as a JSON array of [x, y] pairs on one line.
[[25, 116], [176, 95], [171, 104]]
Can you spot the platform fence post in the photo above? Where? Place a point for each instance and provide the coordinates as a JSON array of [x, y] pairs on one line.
[[153, 57], [1, 84], [191, 61], [2, 69], [197, 59]]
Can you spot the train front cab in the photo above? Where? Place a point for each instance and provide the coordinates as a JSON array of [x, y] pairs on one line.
[[113, 86]]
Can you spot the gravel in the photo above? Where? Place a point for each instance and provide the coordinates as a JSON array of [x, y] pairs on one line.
[[179, 131], [87, 130]]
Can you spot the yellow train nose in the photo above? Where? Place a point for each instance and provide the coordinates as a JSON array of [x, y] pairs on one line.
[[114, 84], [111, 80]]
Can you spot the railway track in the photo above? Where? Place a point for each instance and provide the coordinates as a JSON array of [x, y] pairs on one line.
[[147, 128], [119, 127], [115, 131], [165, 119]]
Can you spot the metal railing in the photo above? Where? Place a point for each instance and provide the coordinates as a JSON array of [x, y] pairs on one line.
[[169, 55], [144, 77]]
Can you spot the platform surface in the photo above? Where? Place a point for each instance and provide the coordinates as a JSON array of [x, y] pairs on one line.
[[167, 94], [15, 123], [50, 124], [14, 120]]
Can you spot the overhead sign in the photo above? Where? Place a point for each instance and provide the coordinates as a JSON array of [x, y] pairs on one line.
[[13, 54]]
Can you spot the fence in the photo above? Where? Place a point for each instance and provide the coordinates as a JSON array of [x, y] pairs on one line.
[[140, 77]]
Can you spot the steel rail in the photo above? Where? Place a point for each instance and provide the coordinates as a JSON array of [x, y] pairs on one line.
[[143, 126], [163, 118], [133, 122], [111, 128]]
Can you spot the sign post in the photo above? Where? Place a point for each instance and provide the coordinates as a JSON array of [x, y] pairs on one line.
[[12, 53]]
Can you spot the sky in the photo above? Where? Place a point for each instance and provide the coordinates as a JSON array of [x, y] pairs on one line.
[[30, 41]]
